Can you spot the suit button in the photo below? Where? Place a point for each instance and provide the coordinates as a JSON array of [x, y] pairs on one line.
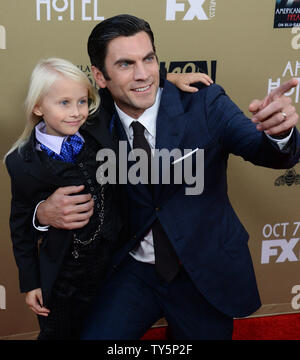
[[157, 208]]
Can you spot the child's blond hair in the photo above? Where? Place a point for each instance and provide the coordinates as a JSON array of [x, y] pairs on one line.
[[42, 77]]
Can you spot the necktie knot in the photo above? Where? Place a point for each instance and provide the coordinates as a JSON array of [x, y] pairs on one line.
[[75, 142], [138, 128], [70, 148]]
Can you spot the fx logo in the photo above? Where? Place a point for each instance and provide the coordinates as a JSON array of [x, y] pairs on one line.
[[195, 11], [2, 37], [2, 298], [272, 248]]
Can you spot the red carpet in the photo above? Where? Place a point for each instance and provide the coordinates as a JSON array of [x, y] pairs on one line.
[[279, 327]]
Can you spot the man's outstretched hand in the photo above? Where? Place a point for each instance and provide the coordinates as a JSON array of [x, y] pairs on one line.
[[275, 114]]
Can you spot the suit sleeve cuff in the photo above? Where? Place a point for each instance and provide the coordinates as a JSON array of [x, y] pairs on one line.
[[39, 228], [281, 142]]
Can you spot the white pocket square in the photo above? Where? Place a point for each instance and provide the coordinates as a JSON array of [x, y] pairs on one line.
[[185, 156]]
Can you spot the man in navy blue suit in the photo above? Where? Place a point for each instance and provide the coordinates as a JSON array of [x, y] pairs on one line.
[[186, 257]]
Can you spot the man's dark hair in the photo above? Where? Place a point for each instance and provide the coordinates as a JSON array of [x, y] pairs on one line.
[[109, 29]]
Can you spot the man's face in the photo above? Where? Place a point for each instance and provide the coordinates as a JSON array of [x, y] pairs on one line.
[[132, 67]]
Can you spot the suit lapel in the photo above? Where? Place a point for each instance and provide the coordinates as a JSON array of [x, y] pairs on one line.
[[171, 127], [34, 166], [99, 128], [172, 120]]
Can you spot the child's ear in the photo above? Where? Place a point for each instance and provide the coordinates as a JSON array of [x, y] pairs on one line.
[[99, 77], [37, 110]]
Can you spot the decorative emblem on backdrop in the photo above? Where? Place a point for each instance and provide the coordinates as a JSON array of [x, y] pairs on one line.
[[289, 178], [287, 14]]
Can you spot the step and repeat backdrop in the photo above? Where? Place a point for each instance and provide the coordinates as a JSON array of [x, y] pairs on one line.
[[248, 47]]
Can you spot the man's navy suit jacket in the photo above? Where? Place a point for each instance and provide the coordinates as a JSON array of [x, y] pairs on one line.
[[207, 235]]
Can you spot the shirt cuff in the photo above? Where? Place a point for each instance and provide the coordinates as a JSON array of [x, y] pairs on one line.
[[281, 142], [39, 228]]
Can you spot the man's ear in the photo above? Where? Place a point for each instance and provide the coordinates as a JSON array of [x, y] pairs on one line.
[[37, 110], [99, 77]]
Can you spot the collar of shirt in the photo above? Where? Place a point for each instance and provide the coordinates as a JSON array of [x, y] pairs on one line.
[[147, 119], [52, 142]]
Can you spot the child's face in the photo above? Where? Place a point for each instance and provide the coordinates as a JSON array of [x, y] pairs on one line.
[[64, 108]]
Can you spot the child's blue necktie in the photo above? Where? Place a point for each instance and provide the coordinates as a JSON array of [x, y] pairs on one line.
[[70, 148]]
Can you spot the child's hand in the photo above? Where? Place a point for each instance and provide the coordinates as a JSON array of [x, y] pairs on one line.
[[183, 81], [34, 300]]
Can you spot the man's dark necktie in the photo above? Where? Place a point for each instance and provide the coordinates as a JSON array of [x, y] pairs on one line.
[[166, 260], [70, 148]]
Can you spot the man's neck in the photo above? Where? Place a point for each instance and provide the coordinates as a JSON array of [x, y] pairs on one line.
[[135, 114]]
